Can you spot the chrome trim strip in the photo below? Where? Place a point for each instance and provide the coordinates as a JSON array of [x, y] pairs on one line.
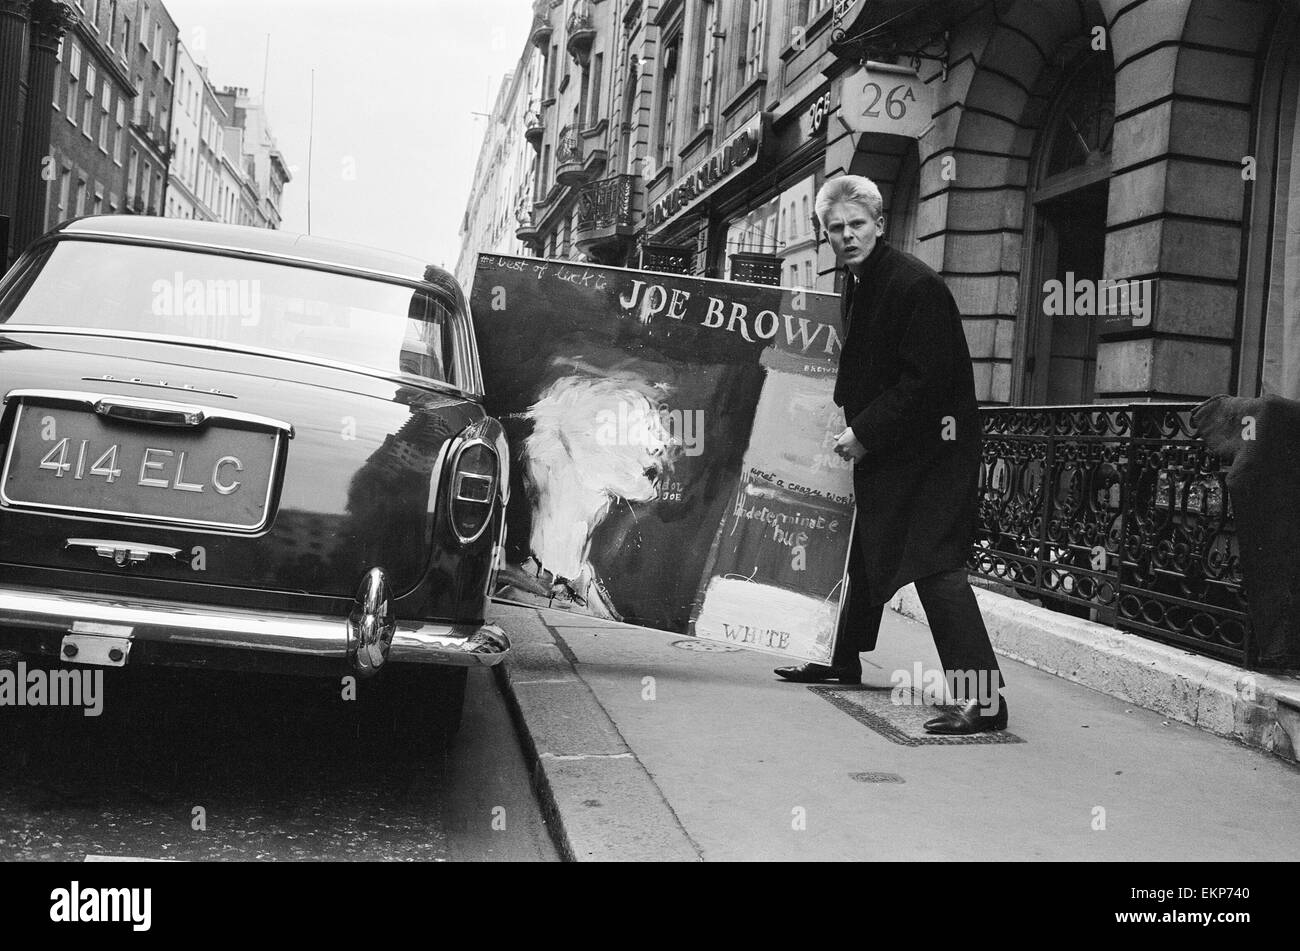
[[210, 413], [485, 645], [151, 413], [136, 518], [237, 251], [132, 553], [161, 384], [436, 385], [322, 636]]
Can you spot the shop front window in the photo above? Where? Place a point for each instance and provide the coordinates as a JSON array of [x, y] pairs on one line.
[[792, 247]]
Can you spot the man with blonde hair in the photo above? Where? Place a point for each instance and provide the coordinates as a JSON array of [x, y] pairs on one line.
[[907, 388]]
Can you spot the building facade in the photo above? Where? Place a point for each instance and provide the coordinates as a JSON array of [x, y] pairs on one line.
[[1106, 187], [1026, 149], [95, 120], [197, 149], [152, 66], [252, 149], [93, 103], [501, 195]]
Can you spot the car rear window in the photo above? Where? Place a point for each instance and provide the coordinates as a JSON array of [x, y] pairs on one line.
[[204, 297]]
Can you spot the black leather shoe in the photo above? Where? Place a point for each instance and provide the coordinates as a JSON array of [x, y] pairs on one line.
[[820, 674], [969, 717]]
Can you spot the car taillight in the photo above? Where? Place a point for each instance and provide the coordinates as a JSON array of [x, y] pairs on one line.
[[473, 487]]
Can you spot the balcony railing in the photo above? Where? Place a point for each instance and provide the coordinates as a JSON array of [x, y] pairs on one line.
[[526, 230], [1118, 511], [606, 214], [148, 127], [568, 157], [581, 30], [540, 34], [606, 204], [534, 128]]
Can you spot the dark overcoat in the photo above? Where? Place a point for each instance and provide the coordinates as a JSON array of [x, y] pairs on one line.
[[907, 387]]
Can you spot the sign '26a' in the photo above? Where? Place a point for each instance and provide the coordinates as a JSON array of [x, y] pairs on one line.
[[817, 114], [883, 98]]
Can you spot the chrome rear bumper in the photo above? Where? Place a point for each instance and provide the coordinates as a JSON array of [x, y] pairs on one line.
[[317, 636]]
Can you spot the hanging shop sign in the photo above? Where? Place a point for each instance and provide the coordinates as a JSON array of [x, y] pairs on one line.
[[884, 98], [736, 153]]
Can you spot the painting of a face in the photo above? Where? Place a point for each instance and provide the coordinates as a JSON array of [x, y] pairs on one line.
[[631, 401], [594, 442]]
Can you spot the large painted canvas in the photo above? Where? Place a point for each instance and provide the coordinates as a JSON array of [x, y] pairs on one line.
[[672, 456]]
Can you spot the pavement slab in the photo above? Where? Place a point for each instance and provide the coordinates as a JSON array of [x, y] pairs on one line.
[[602, 803], [749, 767]]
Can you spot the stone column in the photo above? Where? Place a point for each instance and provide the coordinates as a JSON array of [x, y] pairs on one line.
[[13, 74], [50, 19]]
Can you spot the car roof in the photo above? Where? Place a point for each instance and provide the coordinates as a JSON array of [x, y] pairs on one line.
[[216, 235]]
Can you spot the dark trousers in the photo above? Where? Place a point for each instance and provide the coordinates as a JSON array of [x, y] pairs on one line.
[[955, 622]]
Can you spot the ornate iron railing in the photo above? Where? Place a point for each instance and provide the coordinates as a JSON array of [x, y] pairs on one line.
[[606, 204], [1115, 511], [581, 17], [568, 147], [534, 128]]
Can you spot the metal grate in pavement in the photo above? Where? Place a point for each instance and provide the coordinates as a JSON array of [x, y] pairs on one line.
[[876, 778], [901, 723]]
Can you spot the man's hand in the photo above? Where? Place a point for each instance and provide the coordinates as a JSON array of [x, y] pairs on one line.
[[848, 447]]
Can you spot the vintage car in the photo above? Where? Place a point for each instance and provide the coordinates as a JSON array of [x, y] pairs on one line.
[[237, 448]]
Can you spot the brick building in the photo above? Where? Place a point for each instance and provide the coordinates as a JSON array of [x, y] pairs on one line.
[[90, 115], [93, 104], [152, 66]]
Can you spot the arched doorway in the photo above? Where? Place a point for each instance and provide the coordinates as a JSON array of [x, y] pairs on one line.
[[891, 161], [1069, 189]]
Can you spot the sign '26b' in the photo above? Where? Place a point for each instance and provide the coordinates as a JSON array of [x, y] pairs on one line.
[[884, 98]]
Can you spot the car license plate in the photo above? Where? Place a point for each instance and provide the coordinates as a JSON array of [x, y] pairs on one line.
[[75, 461]]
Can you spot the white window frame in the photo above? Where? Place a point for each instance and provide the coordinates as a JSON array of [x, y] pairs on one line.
[[74, 83], [65, 191], [118, 136], [131, 171], [88, 103], [708, 66], [105, 107], [755, 39]]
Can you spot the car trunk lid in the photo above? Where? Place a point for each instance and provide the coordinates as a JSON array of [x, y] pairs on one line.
[[227, 474]]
